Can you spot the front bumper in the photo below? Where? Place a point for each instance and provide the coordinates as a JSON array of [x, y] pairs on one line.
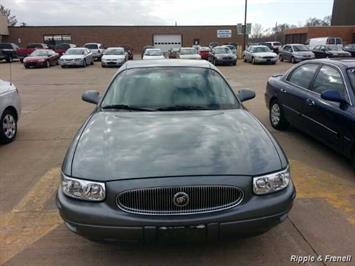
[[71, 63], [266, 60], [301, 59], [35, 64], [226, 61], [112, 63], [105, 221]]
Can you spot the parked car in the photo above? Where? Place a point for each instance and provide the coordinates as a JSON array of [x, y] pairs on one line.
[[318, 98], [274, 46], [8, 51], [173, 53], [188, 53], [129, 51], [24, 52], [260, 54], [213, 44], [328, 41], [204, 52], [295, 53], [350, 48], [171, 147], [153, 54], [63, 47], [145, 48], [10, 111], [114, 56], [232, 48], [41, 58], [324, 51], [222, 55], [79, 56], [96, 49]]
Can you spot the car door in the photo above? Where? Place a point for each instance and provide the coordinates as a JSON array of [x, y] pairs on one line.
[[326, 119], [295, 91], [287, 53]]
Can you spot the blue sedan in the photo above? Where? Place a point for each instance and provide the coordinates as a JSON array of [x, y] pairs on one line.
[[317, 97]]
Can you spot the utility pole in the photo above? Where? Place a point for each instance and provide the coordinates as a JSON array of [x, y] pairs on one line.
[[245, 26]]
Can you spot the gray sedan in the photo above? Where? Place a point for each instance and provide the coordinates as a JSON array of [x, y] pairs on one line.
[[170, 149], [260, 54], [80, 56], [295, 53]]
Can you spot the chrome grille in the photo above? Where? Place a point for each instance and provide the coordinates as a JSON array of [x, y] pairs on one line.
[[163, 200]]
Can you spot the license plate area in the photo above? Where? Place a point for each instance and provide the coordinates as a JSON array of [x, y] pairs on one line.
[[188, 232]]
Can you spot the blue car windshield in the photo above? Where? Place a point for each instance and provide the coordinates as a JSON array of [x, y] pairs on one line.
[[351, 73], [170, 88]]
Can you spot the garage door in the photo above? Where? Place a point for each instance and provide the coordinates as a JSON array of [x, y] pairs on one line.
[[167, 41]]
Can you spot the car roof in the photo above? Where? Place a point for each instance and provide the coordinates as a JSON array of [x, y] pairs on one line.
[[340, 62], [167, 63]]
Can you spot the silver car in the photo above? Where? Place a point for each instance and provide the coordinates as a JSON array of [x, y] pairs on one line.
[[114, 56], [295, 53], [77, 57], [97, 49], [260, 54], [10, 110]]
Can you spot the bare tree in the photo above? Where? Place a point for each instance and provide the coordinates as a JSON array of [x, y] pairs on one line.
[[7, 13], [257, 31], [326, 21]]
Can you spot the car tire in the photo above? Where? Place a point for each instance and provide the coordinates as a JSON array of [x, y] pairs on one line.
[[281, 58], [92, 62], [293, 60], [26, 66], [277, 116], [84, 63], [235, 63], [9, 59], [8, 128]]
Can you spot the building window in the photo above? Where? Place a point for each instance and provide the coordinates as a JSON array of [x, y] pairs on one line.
[[52, 40]]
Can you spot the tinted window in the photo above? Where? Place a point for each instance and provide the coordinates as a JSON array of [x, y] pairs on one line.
[[331, 41], [303, 75], [172, 86], [329, 78], [91, 46]]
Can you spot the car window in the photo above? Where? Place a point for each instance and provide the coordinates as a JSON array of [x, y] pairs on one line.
[[168, 87], [351, 74], [303, 75], [328, 78]]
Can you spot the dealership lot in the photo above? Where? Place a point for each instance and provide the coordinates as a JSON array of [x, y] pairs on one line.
[[31, 232]]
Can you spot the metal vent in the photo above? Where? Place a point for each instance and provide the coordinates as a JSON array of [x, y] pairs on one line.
[[181, 200]]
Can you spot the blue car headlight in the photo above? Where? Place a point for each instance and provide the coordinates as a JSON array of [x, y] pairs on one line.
[[83, 189], [271, 182]]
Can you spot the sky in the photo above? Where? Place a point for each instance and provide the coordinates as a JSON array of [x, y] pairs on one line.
[[166, 12]]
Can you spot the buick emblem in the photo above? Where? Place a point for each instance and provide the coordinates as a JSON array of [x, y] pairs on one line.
[[181, 199]]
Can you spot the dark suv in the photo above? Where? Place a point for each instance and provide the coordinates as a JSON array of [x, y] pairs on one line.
[[8, 51]]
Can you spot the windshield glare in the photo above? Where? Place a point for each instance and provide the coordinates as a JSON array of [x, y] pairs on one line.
[[188, 51], [171, 87], [300, 48], [153, 53], [75, 52], [223, 50], [261, 49], [39, 53], [114, 52]]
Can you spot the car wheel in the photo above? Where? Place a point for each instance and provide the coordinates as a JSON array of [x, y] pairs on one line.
[[26, 66], [235, 63], [8, 128], [253, 61], [9, 59], [281, 58], [84, 63], [92, 62], [277, 117], [293, 60]]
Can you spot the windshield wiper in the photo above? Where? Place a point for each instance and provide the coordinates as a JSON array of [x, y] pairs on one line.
[[183, 108], [127, 107]]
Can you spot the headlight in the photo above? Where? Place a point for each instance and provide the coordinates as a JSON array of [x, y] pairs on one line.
[[271, 183], [83, 189]]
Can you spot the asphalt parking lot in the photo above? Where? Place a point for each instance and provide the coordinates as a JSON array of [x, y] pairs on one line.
[[322, 221]]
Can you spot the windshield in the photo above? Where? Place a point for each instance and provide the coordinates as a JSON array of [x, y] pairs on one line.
[[222, 50], [171, 88], [114, 51], [39, 53], [153, 52], [188, 51], [75, 52], [261, 49], [300, 48], [351, 74], [91, 46]]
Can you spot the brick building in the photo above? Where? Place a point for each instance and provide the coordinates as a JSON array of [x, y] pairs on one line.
[[135, 37]]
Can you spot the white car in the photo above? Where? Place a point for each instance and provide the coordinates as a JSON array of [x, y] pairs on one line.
[[189, 53], [114, 56], [10, 110], [260, 54], [76, 57], [153, 54], [97, 49]]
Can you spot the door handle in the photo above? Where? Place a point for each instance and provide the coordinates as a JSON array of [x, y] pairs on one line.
[[310, 102], [283, 90]]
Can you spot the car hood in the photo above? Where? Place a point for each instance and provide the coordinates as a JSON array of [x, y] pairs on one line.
[[153, 57], [35, 58], [190, 56], [303, 53], [128, 145], [113, 57], [72, 56], [265, 54], [6, 86]]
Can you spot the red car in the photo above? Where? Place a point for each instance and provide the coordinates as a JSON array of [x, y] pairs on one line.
[[41, 58], [63, 47], [204, 52], [24, 52]]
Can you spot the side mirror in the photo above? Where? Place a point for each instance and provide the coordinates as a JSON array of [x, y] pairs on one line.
[[91, 96], [333, 95], [245, 95]]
